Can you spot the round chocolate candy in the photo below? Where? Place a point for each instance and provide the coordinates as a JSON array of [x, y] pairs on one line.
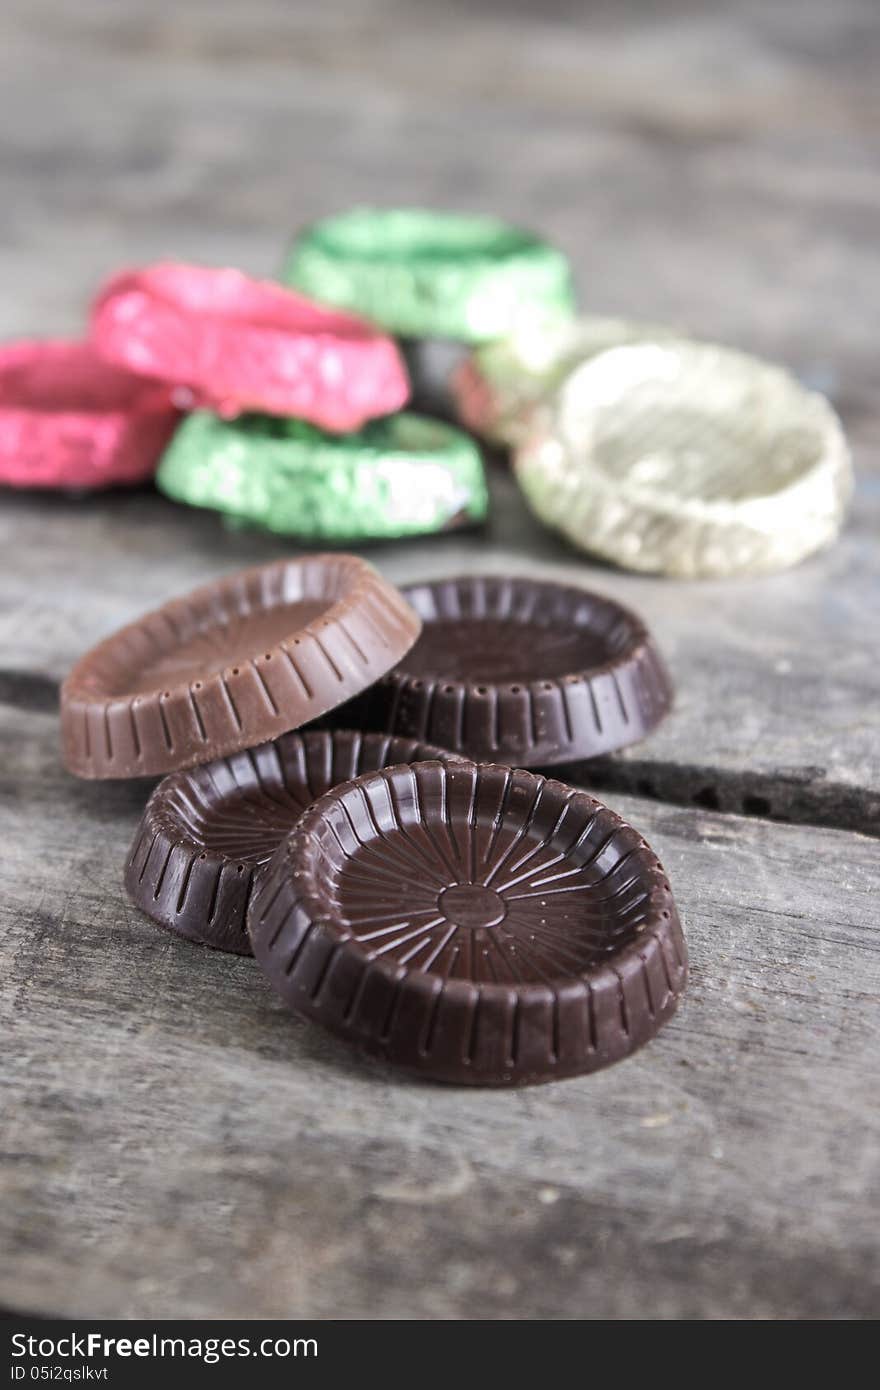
[[237, 344], [427, 274], [522, 672], [472, 923], [403, 475], [496, 388], [70, 420], [231, 665], [207, 834], [687, 459]]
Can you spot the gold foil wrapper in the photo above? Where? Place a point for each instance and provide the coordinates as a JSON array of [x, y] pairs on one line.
[[498, 386], [687, 459]]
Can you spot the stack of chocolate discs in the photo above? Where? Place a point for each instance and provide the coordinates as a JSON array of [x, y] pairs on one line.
[[425, 898], [440, 281]]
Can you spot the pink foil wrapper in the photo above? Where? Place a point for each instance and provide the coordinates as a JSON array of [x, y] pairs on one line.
[[234, 344], [68, 419]]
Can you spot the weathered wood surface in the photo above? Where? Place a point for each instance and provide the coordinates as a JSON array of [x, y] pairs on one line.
[[171, 1137], [777, 683], [184, 1145]]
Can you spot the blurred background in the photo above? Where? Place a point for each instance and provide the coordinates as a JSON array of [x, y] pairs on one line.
[[711, 164], [716, 166]]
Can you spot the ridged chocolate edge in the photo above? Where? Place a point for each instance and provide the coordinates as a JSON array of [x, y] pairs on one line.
[[527, 724], [550, 1032], [203, 895], [367, 629]]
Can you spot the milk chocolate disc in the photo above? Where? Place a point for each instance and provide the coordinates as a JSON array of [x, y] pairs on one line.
[[231, 665], [206, 834], [516, 671], [472, 923]]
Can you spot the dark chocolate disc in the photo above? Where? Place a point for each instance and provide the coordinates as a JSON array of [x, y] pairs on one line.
[[205, 835], [473, 923], [521, 672], [231, 665]]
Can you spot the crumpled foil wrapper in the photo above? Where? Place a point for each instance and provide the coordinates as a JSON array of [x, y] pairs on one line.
[[687, 459], [498, 386], [234, 344], [70, 421], [403, 475], [426, 274]]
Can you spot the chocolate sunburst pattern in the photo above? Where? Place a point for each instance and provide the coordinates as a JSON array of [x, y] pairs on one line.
[[477, 923], [206, 834]]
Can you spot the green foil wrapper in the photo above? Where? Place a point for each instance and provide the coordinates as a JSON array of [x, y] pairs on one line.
[[498, 386], [426, 274], [402, 475], [687, 459]]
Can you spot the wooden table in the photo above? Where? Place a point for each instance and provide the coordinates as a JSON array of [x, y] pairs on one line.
[[174, 1143]]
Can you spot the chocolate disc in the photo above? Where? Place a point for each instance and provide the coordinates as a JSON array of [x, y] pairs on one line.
[[473, 923], [206, 834], [516, 671], [231, 665]]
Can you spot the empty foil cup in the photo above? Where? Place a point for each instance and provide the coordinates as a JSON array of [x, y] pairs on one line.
[[687, 459], [497, 387], [422, 273]]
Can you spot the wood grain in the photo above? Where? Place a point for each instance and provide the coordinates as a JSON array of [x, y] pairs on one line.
[[173, 1143], [188, 1146]]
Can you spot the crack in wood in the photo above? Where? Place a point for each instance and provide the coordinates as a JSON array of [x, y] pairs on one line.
[[29, 690], [800, 796]]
